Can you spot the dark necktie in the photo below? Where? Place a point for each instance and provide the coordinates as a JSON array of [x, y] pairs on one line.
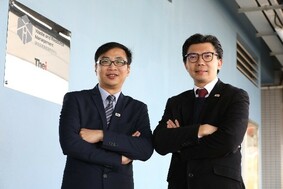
[[199, 103], [109, 108], [201, 92]]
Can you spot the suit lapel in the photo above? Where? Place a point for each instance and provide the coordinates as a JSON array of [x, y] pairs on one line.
[[188, 108], [212, 99], [99, 105], [118, 112]]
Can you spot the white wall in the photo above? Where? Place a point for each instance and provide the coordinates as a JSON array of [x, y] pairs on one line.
[[31, 157]]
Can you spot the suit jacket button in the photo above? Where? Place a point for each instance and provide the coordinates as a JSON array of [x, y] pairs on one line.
[[190, 175], [105, 176]]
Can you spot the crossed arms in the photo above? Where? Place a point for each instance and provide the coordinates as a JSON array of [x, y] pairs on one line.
[[95, 136], [82, 136]]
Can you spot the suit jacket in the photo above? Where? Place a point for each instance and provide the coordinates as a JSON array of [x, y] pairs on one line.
[[98, 166], [213, 161]]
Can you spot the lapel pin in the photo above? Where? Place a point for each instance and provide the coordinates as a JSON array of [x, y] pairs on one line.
[[117, 115], [217, 95]]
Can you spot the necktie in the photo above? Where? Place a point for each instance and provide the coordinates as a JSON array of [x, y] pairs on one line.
[[201, 92], [109, 108], [199, 103]]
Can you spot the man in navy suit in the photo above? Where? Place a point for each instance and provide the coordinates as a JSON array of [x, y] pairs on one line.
[[204, 131], [100, 151]]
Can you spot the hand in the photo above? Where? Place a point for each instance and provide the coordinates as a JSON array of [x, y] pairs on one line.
[[171, 124], [206, 129], [136, 134], [91, 136], [125, 160]]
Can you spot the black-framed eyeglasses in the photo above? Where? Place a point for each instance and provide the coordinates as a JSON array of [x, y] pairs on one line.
[[206, 56], [107, 62]]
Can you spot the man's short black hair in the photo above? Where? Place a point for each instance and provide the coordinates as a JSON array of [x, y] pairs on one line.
[[199, 38], [111, 45]]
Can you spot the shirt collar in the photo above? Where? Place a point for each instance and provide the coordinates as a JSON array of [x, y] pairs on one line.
[[208, 86], [105, 94]]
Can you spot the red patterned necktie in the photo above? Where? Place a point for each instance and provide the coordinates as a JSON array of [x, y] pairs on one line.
[[202, 92]]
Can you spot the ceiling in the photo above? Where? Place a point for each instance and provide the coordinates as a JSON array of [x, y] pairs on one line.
[[266, 16]]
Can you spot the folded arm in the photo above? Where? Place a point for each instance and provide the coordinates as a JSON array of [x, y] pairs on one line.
[[208, 140], [71, 142], [133, 140], [231, 128], [95, 136], [171, 135]]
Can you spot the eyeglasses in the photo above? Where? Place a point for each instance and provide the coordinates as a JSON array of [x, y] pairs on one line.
[[108, 62], [206, 56]]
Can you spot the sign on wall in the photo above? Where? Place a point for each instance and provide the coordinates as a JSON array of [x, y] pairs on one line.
[[37, 55]]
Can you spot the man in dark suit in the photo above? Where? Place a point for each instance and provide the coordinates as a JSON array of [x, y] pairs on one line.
[[204, 132], [102, 135]]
